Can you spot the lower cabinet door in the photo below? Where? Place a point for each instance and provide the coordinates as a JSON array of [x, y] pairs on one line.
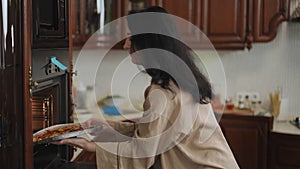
[[247, 137], [284, 150]]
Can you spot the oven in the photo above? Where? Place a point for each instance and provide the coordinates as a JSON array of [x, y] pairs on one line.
[[49, 107], [50, 104]]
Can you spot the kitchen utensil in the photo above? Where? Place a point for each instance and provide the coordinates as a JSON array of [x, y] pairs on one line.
[[275, 102]]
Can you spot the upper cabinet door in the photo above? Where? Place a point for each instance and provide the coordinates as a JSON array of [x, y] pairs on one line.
[[50, 23], [189, 10], [90, 20], [224, 22], [231, 24], [267, 15], [228, 24], [186, 9]]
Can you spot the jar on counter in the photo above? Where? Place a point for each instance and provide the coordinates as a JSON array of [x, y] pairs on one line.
[[229, 104]]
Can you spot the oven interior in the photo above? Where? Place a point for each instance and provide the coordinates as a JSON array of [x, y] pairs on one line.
[[50, 107]]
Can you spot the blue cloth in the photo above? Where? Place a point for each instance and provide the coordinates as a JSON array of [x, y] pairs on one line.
[[111, 110]]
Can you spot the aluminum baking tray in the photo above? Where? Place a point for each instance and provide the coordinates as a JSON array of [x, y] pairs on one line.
[[64, 136]]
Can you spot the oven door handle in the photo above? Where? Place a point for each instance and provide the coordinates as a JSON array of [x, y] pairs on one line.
[[2, 56], [1, 131]]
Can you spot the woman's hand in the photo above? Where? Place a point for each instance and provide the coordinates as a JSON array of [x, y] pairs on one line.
[[107, 126], [79, 142]]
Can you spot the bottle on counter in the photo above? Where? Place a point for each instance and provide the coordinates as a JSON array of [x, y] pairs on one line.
[[80, 96], [241, 104], [259, 110], [247, 103], [89, 101], [253, 105]]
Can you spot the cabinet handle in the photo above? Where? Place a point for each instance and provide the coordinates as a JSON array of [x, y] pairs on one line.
[[61, 7], [2, 56], [36, 28], [1, 131]]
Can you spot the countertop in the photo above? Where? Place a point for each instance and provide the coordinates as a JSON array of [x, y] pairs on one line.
[[285, 127]]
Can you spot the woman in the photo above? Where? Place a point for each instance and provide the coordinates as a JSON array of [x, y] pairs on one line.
[[178, 128]]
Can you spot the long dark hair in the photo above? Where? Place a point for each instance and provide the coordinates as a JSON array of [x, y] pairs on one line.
[[161, 64]]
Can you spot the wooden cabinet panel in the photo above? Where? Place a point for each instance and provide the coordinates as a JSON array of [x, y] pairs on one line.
[[267, 15], [50, 24], [229, 24], [12, 152], [186, 9], [11, 120], [284, 150], [224, 22], [247, 136], [189, 10], [86, 19]]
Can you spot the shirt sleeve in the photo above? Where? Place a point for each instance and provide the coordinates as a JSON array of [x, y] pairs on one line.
[[146, 143], [125, 128]]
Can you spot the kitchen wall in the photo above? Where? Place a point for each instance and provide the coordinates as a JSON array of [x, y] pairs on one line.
[[268, 66], [264, 68]]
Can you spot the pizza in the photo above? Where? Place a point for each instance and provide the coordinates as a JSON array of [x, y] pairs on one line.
[[53, 132]]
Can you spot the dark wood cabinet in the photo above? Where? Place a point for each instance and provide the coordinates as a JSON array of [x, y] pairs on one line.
[[86, 18], [17, 34], [247, 136], [82, 24], [12, 96], [50, 23], [231, 24], [267, 15], [284, 150], [225, 23], [188, 10], [228, 24]]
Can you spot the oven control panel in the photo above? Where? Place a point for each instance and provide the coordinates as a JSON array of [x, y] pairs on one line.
[[47, 64], [54, 66]]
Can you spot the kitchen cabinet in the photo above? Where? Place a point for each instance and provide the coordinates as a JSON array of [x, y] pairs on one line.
[[82, 25], [86, 18], [229, 24], [17, 34], [247, 136], [266, 16], [13, 99], [49, 24], [223, 22], [284, 150]]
